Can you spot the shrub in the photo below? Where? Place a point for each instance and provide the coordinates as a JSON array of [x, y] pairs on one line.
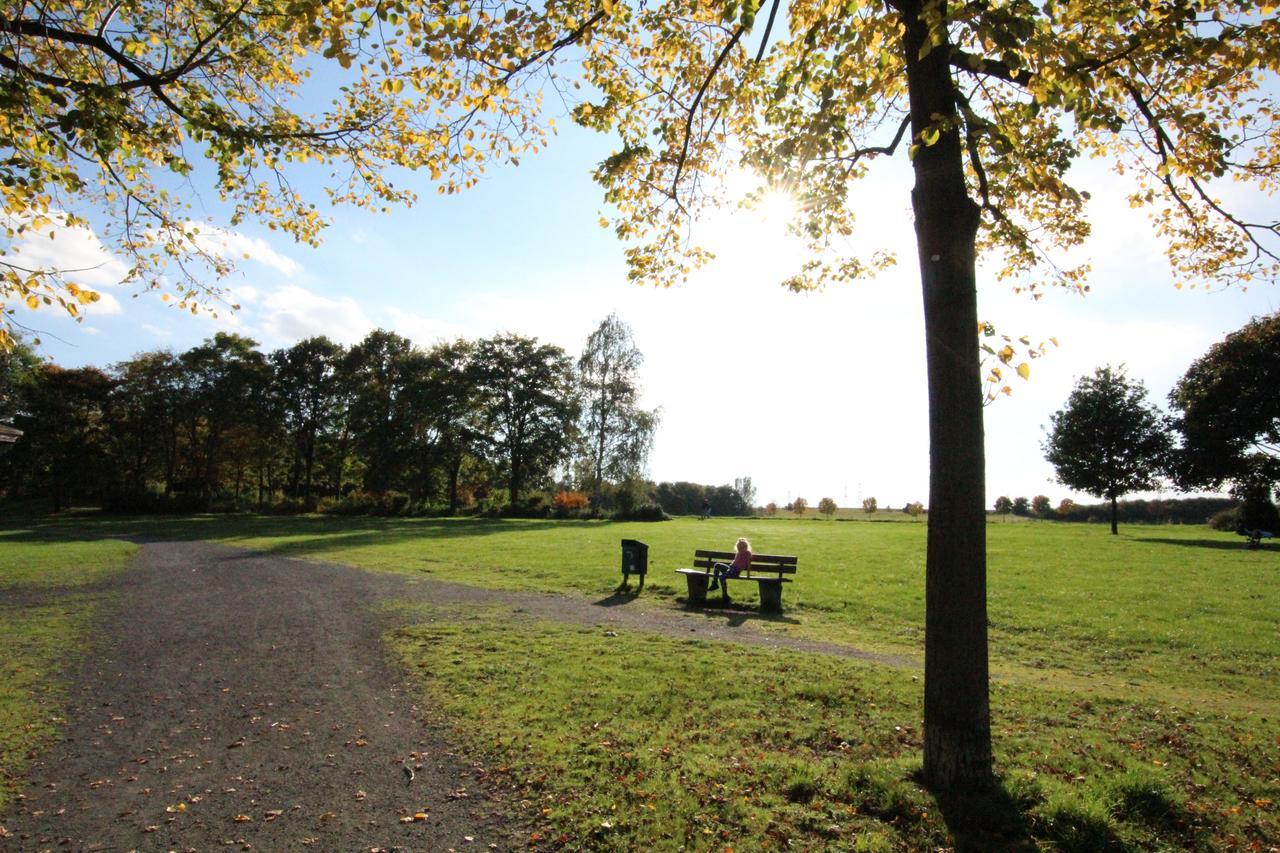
[[369, 503], [869, 505], [570, 501], [1226, 520], [914, 508], [644, 512]]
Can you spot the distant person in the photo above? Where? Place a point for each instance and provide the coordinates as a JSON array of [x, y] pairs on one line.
[[741, 562], [706, 508]]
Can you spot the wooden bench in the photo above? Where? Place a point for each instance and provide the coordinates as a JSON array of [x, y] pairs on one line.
[[767, 570]]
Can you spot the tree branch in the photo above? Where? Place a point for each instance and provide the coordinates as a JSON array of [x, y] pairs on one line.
[[697, 99]]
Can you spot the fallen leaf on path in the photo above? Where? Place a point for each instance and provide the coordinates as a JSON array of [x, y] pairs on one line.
[[242, 818], [176, 807], [360, 795], [273, 814], [328, 815], [406, 819]]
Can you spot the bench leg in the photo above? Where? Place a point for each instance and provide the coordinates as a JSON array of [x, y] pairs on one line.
[[771, 597], [697, 590]]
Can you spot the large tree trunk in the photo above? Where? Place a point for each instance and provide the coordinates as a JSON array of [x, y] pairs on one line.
[[957, 717], [1115, 530]]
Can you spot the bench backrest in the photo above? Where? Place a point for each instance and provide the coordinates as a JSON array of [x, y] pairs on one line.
[[772, 564]]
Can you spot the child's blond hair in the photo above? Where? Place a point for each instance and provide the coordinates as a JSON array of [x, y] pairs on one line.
[[743, 544]]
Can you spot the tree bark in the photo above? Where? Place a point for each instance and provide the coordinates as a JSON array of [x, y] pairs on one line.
[[957, 717], [1115, 530]]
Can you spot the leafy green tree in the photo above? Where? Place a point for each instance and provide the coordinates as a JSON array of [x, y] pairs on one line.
[[63, 453], [526, 392], [454, 417], [869, 505], [1003, 505], [1108, 440], [827, 507], [376, 374], [1041, 507], [1021, 506], [1229, 418], [146, 407], [219, 378], [307, 380], [799, 505], [617, 434]]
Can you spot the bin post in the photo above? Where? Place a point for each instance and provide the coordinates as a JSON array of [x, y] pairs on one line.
[[635, 561]]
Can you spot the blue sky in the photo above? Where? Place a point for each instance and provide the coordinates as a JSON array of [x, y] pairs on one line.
[[814, 395]]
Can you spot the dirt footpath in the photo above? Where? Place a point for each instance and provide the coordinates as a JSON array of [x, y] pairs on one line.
[[242, 701], [238, 700]]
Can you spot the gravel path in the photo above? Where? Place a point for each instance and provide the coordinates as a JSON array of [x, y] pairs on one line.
[[241, 700]]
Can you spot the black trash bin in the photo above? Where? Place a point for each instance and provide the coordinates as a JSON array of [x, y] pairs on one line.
[[635, 559]]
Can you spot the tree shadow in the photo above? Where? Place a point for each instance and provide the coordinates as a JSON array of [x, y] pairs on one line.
[[1212, 544], [991, 820]]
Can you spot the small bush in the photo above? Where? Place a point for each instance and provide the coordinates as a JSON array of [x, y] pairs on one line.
[[369, 503], [1227, 520], [914, 508], [568, 502], [644, 512]]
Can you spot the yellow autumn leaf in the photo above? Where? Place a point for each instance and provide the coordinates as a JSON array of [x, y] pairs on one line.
[[1024, 370]]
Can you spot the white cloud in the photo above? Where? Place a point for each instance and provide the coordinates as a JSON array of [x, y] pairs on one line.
[[76, 250], [424, 331], [233, 245], [158, 331], [293, 313], [243, 295]]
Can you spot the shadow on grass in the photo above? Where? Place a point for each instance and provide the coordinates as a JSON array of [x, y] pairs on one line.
[[736, 613], [326, 530], [1213, 544], [621, 595], [994, 820]]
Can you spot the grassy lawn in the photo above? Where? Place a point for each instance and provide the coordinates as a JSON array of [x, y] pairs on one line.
[[640, 741], [1171, 612], [45, 612], [1134, 703]]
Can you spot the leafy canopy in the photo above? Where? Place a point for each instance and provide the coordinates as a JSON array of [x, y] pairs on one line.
[[111, 109], [1108, 440], [1230, 411]]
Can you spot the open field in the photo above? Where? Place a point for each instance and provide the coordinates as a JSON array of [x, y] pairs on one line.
[[1134, 704], [1174, 612], [45, 612]]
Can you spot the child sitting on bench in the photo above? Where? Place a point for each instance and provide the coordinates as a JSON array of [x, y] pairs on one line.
[[741, 562]]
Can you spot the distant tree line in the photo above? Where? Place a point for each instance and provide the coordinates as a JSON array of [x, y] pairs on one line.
[[381, 426]]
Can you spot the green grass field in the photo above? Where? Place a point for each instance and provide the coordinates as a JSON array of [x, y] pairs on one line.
[[1174, 612], [1135, 691], [45, 612]]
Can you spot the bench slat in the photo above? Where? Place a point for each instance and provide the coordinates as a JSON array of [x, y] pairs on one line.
[[771, 563]]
